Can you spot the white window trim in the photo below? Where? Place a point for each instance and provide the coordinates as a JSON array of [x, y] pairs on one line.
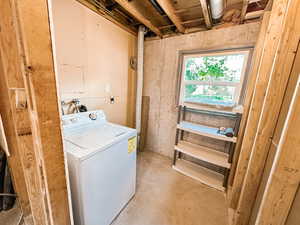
[[237, 85]]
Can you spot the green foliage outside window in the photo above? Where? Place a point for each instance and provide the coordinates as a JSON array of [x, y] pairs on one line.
[[210, 68]]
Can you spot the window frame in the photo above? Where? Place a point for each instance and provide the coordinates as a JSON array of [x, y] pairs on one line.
[[240, 86]]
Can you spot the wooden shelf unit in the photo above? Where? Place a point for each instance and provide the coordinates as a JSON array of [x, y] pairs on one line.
[[200, 173], [202, 130], [204, 153], [209, 155]]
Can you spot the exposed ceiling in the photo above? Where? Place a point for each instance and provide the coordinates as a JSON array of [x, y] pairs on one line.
[[167, 17]]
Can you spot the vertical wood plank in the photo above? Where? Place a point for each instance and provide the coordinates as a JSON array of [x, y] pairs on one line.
[[285, 174], [35, 36], [249, 93], [281, 69], [145, 119], [265, 65]]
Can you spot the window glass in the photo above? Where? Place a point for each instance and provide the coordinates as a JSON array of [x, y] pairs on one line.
[[210, 94], [214, 79], [215, 68]]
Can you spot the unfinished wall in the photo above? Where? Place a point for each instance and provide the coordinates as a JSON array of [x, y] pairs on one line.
[[93, 57], [161, 59]]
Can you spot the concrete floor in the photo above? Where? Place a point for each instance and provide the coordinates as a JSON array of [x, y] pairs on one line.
[[165, 197], [11, 217]]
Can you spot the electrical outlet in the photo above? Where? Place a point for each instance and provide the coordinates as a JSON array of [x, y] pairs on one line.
[[112, 99]]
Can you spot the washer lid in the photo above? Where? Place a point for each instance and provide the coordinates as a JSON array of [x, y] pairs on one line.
[[96, 137]]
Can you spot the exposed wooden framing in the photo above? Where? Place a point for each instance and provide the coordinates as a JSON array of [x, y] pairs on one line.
[[183, 22], [136, 14], [14, 160], [253, 15], [104, 14], [193, 21], [244, 10], [269, 50], [285, 12], [187, 9], [44, 112], [285, 174], [167, 6], [27, 63], [206, 13], [25, 170], [258, 51]]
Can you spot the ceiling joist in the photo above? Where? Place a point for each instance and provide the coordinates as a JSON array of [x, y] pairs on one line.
[[167, 6], [136, 14], [108, 16], [206, 13], [244, 10]]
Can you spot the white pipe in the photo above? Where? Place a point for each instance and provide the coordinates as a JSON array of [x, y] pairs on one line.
[[217, 7], [140, 76]]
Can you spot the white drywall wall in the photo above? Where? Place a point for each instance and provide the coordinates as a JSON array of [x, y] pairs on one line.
[[92, 57]]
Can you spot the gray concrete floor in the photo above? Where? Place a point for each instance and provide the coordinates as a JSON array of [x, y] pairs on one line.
[[166, 197], [163, 197], [11, 217]]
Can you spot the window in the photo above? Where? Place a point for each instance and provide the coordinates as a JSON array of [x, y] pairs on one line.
[[214, 78]]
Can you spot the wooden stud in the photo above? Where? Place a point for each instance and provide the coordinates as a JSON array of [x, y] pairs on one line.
[[27, 64], [139, 16], [145, 119], [14, 160], [177, 11], [285, 174], [244, 10], [280, 68], [35, 38], [258, 51], [269, 50], [167, 6], [206, 13]]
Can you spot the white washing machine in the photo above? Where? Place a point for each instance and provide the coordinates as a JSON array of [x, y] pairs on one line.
[[101, 158]]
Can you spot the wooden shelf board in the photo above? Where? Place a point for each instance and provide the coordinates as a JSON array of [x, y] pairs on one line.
[[237, 109], [205, 176], [204, 153], [202, 130]]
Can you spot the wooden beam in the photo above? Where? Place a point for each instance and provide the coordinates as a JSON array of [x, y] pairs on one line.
[[177, 11], [136, 14], [244, 10], [286, 13], [39, 76], [206, 13], [107, 16], [253, 15], [145, 120], [14, 160], [256, 59], [167, 6], [285, 174]]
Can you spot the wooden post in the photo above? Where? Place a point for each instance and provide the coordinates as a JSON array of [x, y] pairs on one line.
[[285, 174], [27, 66], [281, 65], [249, 94], [269, 51], [206, 13]]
